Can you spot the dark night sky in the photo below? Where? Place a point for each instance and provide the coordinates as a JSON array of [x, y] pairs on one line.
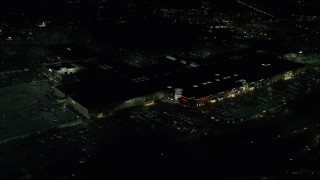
[[54, 6]]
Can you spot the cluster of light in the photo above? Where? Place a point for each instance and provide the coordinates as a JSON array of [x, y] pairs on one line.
[[288, 76], [100, 115], [205, 83], [265, 65], [149, 103], [177, 94], [42, 25], [227, 77], [213, 101], [171, 58]]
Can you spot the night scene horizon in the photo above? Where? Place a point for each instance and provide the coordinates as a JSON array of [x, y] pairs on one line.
[[159, 89]]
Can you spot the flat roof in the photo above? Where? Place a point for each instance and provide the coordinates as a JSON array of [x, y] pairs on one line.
[[211, 79], [99, 93], [109, 83]]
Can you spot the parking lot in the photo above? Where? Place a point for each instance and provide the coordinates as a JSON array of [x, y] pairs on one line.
[[26, 108]]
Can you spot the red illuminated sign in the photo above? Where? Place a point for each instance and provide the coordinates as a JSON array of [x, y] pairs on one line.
[[184, 100], [205, 99]]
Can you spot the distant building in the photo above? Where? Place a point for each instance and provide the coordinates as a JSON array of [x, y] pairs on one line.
[[240, 77], [106, 87], [93, 101]]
